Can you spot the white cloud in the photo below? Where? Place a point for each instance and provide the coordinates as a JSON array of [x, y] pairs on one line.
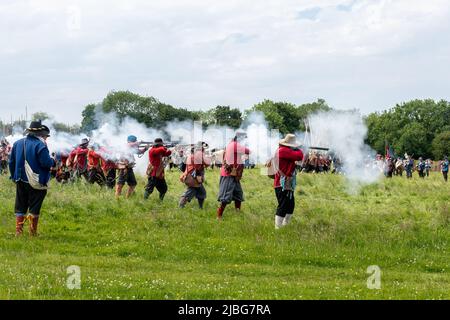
[[58, 56]]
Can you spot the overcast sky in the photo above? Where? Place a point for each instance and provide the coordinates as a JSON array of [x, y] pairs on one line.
[[58, 56]]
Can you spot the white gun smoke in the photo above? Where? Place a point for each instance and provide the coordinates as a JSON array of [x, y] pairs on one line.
[[112, 134], [344, 133]]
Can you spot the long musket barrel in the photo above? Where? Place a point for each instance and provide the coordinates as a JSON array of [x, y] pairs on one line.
[[315, 148], [319, 148], [151, 144]]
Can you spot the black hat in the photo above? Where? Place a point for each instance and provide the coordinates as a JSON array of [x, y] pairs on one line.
[[38, 129], [84, 142]]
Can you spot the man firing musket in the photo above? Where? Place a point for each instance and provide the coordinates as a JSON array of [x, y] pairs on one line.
[[158, 160], [95, 161], [194, 176], [109, 166], [230, 188], [126, 164], [78, 160]]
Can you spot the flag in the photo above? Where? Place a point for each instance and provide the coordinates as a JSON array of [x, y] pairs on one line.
[[390, 152]]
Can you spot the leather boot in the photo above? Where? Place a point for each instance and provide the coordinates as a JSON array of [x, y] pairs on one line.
[[34, 225], [20, 219], [237, 205], [220, 211], [200, 203]]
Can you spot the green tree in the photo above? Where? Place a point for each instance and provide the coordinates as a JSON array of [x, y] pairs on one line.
[[89, 122], [441, 145], [283, 116], [40, 116], [146, 110], [397, 126], [226, 116], [412, 141], [307, 109]]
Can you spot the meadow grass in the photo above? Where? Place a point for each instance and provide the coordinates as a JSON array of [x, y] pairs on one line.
[[136, 249]]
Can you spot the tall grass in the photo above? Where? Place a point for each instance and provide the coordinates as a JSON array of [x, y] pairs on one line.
[[136, 249]]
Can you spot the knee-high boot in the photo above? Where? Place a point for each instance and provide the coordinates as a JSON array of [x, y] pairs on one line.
[[34, 225], [220, 211], [20, 219]]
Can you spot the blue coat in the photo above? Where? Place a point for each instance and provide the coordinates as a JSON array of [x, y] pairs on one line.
[[38, 157]]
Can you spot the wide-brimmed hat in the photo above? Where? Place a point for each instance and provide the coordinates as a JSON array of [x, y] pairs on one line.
[[289, 141], [38, 129]]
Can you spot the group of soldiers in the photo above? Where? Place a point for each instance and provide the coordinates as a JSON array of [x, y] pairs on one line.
[[31, 167], [5, 150], [320, 162], [391, 166]]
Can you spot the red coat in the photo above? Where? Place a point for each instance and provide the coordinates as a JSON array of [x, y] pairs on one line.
[[78, 158], [233, 156], [94, 160], [107, 162], [155, 156], [197, 162], [286, 162]]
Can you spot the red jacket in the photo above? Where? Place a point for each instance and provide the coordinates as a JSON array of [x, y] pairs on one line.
[[107, 162], [95, 161], [197, 162], [286, 158], [233, 156], [155, 156], [78, 158]]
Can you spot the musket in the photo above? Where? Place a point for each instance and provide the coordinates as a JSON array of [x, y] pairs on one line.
[[316, 148], [204, 144], [151, 144]]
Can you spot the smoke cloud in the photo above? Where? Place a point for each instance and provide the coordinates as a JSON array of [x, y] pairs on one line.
[[344, 133]]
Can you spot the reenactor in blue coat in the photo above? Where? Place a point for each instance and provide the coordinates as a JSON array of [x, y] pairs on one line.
[[30, 164]]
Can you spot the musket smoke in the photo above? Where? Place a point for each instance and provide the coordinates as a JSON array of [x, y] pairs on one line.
[[344, 133]]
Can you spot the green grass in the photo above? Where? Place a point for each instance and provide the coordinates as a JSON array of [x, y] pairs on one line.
[[132, 249]]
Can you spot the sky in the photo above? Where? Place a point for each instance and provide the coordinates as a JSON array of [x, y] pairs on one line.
[[58, 56]]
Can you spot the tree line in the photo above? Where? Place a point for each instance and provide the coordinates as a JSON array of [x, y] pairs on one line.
[[420, 128], [417, 127], [284, 116]]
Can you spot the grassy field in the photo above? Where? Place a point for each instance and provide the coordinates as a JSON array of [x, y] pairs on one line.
[[132, 249]]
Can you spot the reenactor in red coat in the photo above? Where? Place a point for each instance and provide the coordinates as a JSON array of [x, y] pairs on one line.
[[194, 176], [158, 160], [77, 161], [230, 188], [285, 158]]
